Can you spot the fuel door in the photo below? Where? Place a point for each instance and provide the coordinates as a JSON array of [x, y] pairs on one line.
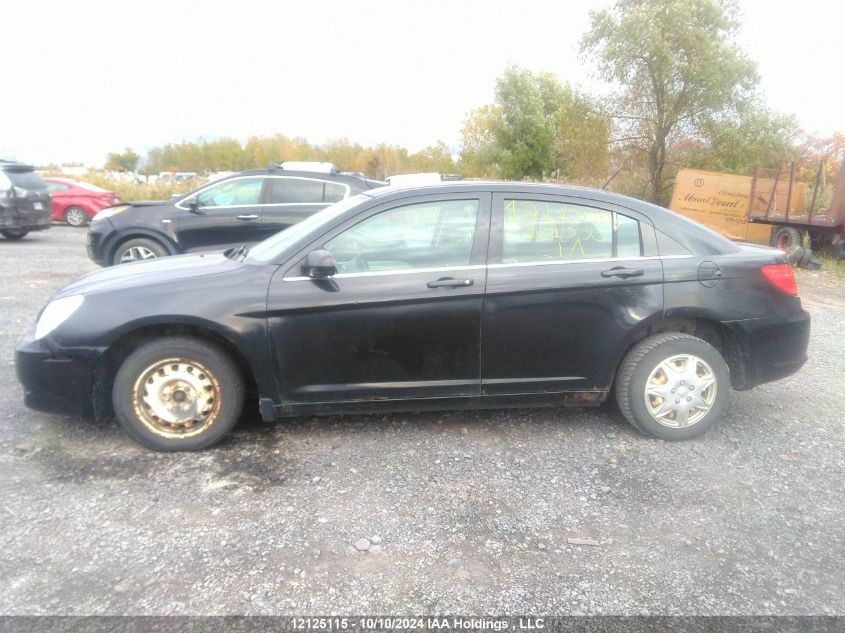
[[709, 274]]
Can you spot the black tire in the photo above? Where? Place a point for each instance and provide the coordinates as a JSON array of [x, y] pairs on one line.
[[13, 234], [804, 262], [210, 364], [639, 364], [141, 245], [794, 254], [785, 236], [838, 249], [76, 216], [814, 263]]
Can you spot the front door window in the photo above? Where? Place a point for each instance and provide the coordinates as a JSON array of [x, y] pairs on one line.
[[426, 235], [232, 193]]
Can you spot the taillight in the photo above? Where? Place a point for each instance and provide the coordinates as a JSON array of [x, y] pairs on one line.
[[781, 277]]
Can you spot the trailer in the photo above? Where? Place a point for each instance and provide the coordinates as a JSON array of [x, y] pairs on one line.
[[818, 215]]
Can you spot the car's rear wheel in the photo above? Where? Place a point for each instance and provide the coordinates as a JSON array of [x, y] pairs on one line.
[[13, 234], [76, 216], [673, 386], [178, 394], [138, 249]]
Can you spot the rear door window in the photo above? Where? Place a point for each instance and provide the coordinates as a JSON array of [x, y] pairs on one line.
[[296, 191], [540, 231]]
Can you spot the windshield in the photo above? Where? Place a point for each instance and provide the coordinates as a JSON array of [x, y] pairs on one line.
[[274, 246], [28, 180]]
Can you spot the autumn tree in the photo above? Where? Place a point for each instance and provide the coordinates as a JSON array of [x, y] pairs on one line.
[[127, 160], [434, 158], [674, 64], [479, 150]]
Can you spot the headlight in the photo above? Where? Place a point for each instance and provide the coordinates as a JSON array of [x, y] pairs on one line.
[[107, 213], [56, 313]]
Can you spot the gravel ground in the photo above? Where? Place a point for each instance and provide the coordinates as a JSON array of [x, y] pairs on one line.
[[508, 512]]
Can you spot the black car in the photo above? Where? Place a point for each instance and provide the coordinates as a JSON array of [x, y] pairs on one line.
[[24, 201], [244, 208], [459, 295]]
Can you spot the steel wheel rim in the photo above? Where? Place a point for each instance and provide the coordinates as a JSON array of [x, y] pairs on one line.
[[75, 217], [177, 398], [136, 254], [680, 391]]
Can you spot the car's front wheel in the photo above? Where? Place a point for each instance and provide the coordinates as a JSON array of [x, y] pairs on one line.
[[178, 393], [673, 386], [138, 249], [13, 234]]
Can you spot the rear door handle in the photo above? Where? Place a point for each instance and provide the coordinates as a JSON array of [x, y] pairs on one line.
[[248, 217], [449, 282], [624, 273]]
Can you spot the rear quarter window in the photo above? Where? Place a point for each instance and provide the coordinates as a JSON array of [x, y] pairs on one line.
[[669, 246]]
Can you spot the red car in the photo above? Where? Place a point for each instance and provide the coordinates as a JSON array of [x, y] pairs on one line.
[[77, 202]]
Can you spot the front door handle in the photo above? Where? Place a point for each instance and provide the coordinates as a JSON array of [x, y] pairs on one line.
[[621, 271], [449, 282], [248, 217]]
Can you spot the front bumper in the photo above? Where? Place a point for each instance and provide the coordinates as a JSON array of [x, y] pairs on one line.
[[98, 234], [54, 381], [773, 348]]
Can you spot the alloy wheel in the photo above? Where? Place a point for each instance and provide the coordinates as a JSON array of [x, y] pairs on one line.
[[76, 217], [680, 391], [136, 253]]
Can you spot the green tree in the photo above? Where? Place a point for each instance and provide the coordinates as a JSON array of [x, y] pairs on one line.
[[752, 137], [127, 160], [525, 132], [674, 63], [538, 128]]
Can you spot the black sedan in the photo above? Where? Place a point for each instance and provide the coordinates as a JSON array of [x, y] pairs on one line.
[[458, 295]]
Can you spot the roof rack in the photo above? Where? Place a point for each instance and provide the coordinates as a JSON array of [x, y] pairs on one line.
[[315, 166], [422, 178]]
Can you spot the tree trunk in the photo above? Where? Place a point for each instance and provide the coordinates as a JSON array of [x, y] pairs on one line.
[[657, 161]]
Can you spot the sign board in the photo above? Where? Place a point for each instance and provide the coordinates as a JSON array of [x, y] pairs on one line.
[[719, 201]]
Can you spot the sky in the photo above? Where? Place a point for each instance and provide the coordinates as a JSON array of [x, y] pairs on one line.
[[84, 78]]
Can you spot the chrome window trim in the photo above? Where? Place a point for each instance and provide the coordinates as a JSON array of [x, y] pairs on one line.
[[298, 204], [408, 271], [595, 260], [400, 271], [276, 204]]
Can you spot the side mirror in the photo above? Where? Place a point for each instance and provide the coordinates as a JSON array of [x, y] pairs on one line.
[[319, 264], [192, 205]]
